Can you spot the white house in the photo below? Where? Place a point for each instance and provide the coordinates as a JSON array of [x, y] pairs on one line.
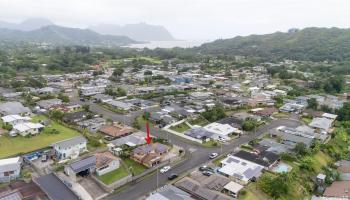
[[106, 162], [89, 90], [26, 128], [223, 130], [70, 148], [14, 119], [10, 169], [240, 170]]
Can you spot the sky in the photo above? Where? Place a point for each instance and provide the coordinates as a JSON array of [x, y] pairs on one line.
[[187, 19]]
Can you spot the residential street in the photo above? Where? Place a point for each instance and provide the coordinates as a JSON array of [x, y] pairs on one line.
[[198, 157]]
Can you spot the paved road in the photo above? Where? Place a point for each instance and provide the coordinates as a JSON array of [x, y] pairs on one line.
[[195, 159]]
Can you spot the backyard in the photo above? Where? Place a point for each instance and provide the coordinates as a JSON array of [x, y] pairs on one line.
[[15, 145], [180, 128]]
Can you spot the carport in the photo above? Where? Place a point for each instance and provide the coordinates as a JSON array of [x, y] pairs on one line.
[[81, 168]]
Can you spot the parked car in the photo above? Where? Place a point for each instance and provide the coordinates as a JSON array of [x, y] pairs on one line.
[[213, 155], [165, 169], [203, 168], [207, 173], [172, 176]]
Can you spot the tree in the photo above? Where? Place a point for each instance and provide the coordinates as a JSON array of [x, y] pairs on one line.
[[300, 149], [214, 113], [148, 73], [118, 72], [56, 114], [344, 112], [274, 186], [86, 107], [312, 103], [63, 97], [249, 124]]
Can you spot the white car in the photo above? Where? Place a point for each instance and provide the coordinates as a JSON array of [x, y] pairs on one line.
[[165, 169], [213, 155]]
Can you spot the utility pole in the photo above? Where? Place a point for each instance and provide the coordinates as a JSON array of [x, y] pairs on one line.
[[157, 176]]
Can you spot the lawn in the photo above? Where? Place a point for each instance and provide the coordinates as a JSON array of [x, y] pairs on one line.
[[210, 143], [281, 115], [135, 168], [306, 120], [180, 127], [321, 159], [200, 121], [113, 176], [253, 193], [15, 145]]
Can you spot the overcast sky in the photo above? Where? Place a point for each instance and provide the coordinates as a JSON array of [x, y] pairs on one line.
[[187, 19]]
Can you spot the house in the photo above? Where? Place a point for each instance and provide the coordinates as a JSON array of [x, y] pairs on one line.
[[13, 108], [102, 98], [265, 158], [71, 107], [169, 192], [116, 130], [49, 103], [200, 133], [291, 137], [26, 128], [132, 140], [54, 188], [75, 117], [70, 148], [93, 125], [106, 162], [90, 90], [239, 169], [18, 190], [291, 107], [120, 105], [321, 124], [344, 169], [267, 112], [223, 130], [149, 154], [201, 95], [10, 169], [338, 189], [14, 119], [198, 191]]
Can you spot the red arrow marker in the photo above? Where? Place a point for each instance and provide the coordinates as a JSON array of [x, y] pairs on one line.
[[148, 138]]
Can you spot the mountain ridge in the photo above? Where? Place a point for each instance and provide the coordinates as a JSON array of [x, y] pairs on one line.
[[58, 35], [311, 43]]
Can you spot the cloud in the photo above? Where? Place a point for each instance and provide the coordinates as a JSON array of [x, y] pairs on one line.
[[187, 18]]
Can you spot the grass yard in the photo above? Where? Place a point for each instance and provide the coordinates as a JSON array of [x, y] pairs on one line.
[[114, 176], [200, 121], [180, 127], [281, 115], [211, 143], [15, 145], [253, 193], [306, 120], [321, 159], [135, 168]]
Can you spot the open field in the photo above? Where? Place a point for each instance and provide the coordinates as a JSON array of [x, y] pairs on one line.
[[16, 145]]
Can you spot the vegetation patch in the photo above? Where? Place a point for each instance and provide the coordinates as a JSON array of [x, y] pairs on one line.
[[113, 176]]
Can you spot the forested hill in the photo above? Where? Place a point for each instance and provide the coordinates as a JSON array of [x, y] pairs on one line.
[[59, 35], [316, 44]]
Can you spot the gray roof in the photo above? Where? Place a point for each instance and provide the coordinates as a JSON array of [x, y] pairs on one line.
[[13, 108], [199, 133], [55, 188], [71, 142], [170, 192], [84, 164], [135, 138]]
